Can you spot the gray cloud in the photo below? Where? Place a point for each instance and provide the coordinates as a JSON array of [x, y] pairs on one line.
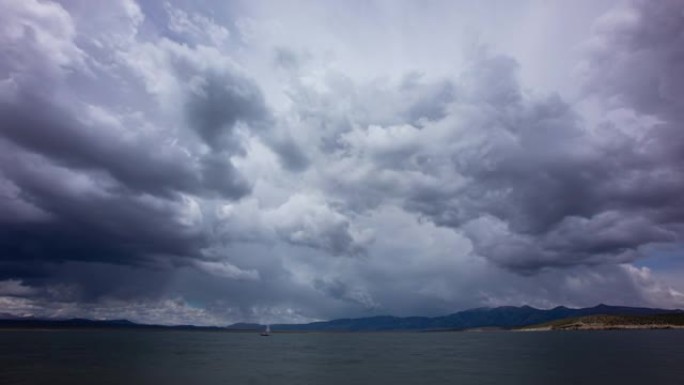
[[635, 57], [307, 221]]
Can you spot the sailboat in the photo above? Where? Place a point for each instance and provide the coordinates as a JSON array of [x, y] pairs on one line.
[[266, 332]]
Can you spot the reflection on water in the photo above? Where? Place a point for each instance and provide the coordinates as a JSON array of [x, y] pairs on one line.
[[166, 357]]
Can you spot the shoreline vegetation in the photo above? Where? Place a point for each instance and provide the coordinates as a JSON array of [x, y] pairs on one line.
[[613, 322]]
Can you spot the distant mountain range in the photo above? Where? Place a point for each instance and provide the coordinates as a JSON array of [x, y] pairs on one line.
[[78, 323], [505, 317]]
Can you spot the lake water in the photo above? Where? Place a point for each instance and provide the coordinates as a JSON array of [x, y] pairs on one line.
[[176, 357]]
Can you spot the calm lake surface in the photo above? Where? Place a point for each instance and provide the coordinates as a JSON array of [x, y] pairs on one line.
[[177, 357]]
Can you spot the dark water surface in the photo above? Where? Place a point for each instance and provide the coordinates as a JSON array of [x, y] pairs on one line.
[[178, 357]]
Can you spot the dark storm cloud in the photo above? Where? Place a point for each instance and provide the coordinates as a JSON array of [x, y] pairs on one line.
[[90, 224], [39, 126], [93, 184], [218, 102]]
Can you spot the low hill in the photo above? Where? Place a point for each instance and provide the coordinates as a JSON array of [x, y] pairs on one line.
[[613, 322]]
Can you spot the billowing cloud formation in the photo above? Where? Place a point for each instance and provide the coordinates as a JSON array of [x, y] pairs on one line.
[[527, 180], [523, 177], [173, 163], [109, 184]]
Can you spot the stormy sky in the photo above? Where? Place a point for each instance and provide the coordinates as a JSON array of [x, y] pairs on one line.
[[209, 162]]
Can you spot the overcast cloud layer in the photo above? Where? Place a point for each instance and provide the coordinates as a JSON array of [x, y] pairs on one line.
[[214, 162]]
